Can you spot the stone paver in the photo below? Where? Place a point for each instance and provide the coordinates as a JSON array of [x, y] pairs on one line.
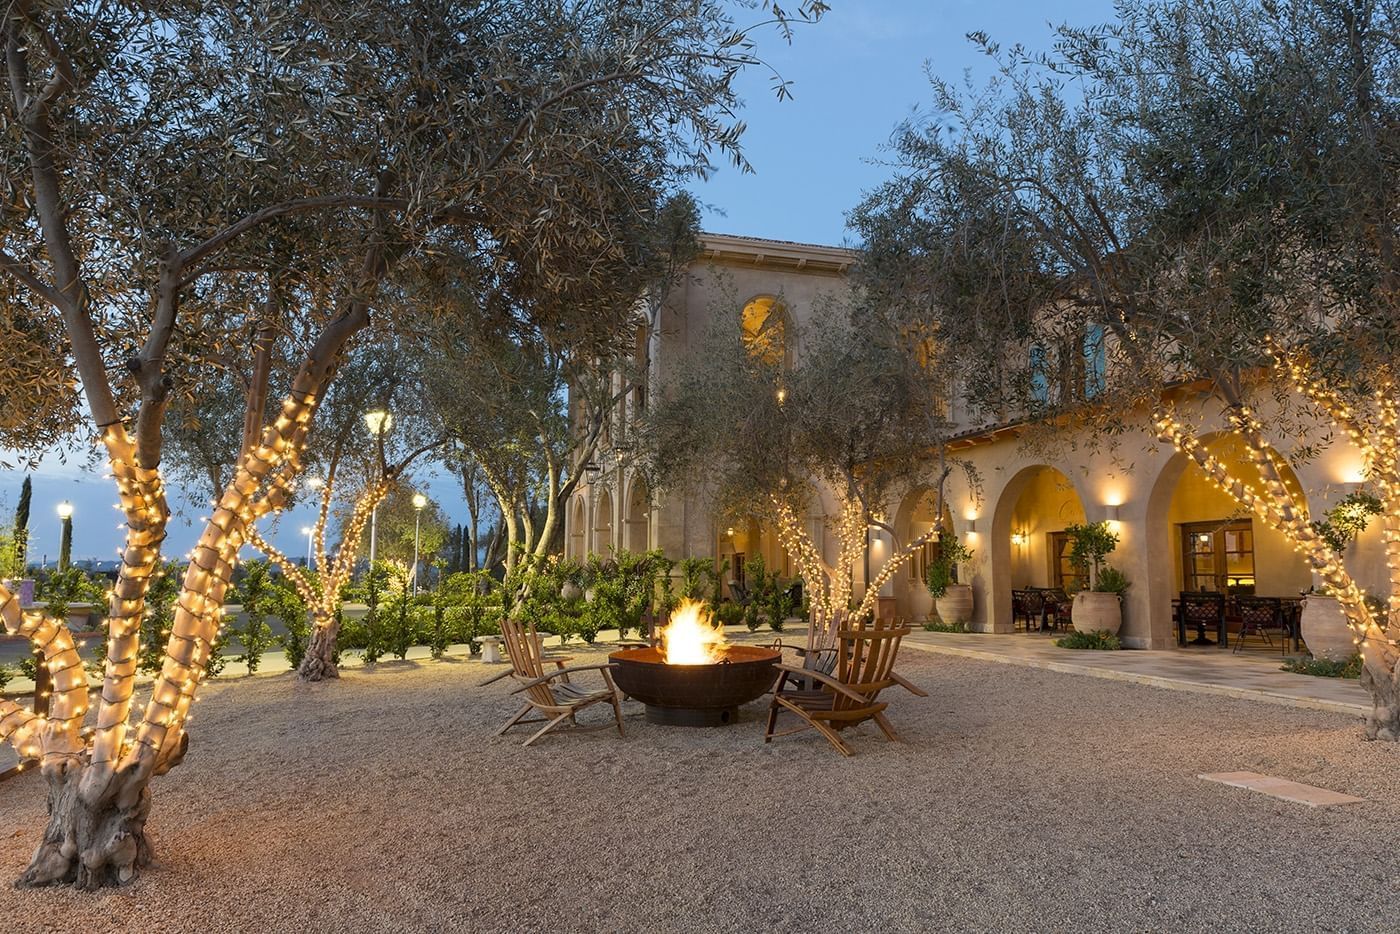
[[1255, 676], [1296, 792]]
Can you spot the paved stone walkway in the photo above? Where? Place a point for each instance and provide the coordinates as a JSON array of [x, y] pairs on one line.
[[1254, 676]]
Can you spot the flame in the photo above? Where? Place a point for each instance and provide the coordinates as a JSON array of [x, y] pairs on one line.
[[691, 637]]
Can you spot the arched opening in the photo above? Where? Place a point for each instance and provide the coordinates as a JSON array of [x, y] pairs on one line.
[[636, 535], [576, 547], [603, 524], [1201, 540], [764, 326], [1027, 542], [915, 517]]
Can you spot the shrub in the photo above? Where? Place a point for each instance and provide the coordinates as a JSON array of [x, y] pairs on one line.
[[1323, 668], [255, 593], [7, 675], [937, 625], [729, 613], [1112, 580], [1099, 641], [943, 569]]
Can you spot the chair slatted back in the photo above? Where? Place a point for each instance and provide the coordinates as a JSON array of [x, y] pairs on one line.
[[526, 657], [1259, 611], [823, 631], [865, 659]]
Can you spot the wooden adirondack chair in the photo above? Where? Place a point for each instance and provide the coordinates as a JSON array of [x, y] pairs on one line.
[[551, 693], [864, 667]]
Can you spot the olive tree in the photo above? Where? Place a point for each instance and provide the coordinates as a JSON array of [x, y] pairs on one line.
[[172, 171], [1206, 196], [859, 412]]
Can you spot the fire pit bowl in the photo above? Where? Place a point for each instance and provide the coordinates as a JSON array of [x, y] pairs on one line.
[[696, 695]]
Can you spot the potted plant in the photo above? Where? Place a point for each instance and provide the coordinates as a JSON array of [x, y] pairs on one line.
[[1323, 623], [1098, 607], [952, 601], [1325, 628]]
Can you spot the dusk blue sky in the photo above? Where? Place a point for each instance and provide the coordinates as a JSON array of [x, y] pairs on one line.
[[855, 76]]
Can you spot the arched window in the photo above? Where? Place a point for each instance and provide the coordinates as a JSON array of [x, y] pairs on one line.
[[765, 331]]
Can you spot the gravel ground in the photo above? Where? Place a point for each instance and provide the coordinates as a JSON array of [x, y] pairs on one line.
[[1021, 800]]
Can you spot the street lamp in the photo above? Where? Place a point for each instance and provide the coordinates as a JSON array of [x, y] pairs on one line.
[[378, 421], [65, 538], [419, 501], [310, 533]]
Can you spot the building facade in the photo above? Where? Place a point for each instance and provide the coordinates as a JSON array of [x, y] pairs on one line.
[[1176, 531]]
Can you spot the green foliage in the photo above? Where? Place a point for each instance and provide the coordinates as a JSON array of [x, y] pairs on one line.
[[61, 589], [1342, 523], [1112, 580], [28, 668], [1099, 641], [943, 569], [1090, 543], [286, 604], [769, 595], [937, 625], [1323, 668], [730, 613], [701, 578], [160, 614], [255, 592], [7, 675]]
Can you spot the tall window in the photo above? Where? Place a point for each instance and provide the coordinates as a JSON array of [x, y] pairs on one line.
[[1095, 360], [1040, 380], [765, 334], [1063, 573], [1218, 556]]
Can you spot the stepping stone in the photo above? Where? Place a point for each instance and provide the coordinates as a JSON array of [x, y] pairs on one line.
[[1296, 792]]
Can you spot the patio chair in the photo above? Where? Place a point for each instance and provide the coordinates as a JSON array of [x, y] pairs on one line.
[[1028, 606], [864, 667], [1201, 609], [1056, 605], [551, 694], [1258, 615]]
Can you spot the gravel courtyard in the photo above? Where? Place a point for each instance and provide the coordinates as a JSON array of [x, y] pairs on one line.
[[1021, 800]]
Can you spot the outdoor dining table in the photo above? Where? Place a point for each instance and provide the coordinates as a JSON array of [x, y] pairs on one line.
[[1289, 621]]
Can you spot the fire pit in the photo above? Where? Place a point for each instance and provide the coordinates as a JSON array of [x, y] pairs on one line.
[[693, 678]]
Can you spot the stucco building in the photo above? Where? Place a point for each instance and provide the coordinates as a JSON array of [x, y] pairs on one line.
[[1177, 532]]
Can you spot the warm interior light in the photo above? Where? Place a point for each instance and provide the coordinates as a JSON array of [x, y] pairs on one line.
[[691, 637], [1018, 538]]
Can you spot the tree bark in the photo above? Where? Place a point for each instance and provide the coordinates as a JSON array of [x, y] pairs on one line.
[[319, 661], [1383, 684], [90, 845]]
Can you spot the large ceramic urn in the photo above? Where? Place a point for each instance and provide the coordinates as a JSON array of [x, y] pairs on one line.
[[1325, 629], [1097, 612], [955, 606]]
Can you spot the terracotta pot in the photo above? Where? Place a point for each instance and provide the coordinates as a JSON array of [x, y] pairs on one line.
[[1097, 612], [1325, 629], [956, 604]]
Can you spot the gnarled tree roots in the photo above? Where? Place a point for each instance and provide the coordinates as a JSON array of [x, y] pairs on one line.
[[319, 661], [91, 845], [1383, 723]]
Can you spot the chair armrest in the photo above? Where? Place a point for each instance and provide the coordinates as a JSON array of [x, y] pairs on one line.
[[829, 681], [911, 688], [562, 671]]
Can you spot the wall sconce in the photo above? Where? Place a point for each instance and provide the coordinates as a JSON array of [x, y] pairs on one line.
[[729, 531], [972, 525], [1111, 512], [1018, 539]]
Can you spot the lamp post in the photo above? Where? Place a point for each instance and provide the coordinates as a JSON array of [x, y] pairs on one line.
[[65, 538], [310, 534], [419, 501], [378, 421]]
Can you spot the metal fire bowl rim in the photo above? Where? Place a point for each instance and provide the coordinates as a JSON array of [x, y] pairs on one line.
[[651, 656]]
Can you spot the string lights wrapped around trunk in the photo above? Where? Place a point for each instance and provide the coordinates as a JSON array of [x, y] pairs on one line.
[[1378, 442]]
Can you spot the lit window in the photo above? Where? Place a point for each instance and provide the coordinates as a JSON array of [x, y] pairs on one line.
[[765, 331]]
